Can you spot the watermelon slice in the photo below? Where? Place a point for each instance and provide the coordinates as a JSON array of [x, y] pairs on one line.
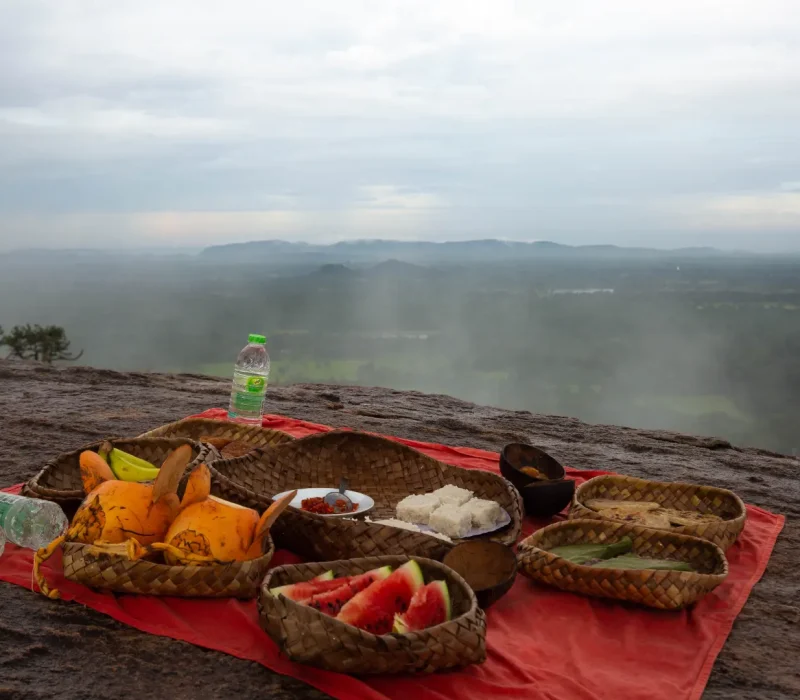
[[430, 606], [305, 589], [331, 602], [374, 608]]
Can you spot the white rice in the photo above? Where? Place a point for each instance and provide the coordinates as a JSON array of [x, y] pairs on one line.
[[452, 495], [451, 520], [417, 508], [484, 513], [400, 524]]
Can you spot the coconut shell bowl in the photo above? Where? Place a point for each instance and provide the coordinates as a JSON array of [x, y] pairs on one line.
[[489, 568], [539, 478]]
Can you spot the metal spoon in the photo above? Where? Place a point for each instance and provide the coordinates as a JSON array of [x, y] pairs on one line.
[[338, 498]]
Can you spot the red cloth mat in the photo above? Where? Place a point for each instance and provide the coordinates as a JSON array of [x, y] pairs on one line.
[[542, 643]]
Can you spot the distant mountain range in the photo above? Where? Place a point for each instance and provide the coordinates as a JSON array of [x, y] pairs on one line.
[[365, 252]]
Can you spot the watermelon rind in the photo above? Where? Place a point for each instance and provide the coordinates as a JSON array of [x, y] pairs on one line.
[[327, 576], [402, 624]]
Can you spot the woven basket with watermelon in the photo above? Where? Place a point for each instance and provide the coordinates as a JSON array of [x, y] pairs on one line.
[[374, 615]]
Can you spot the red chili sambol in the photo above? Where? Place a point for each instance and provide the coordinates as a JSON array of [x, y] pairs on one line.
[[317, 505]]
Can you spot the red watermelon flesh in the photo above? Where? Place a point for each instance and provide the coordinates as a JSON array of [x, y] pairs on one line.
[[305, 589], [331, 602], [374, 608], [430, 606]]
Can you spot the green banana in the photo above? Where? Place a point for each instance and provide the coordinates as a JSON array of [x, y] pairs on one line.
[[631, 561], [580, 553], [127, 467]]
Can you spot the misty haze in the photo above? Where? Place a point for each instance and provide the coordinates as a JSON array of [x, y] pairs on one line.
[[696, 341]]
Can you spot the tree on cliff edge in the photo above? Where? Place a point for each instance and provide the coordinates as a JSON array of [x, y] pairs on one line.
[[43, 343]]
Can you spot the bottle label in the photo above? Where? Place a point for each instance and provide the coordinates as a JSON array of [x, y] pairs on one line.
[[256, 385]]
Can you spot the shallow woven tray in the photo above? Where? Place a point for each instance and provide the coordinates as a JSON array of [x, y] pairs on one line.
[[307, 636], [60, 479], [680, 496], [116, 573], [383, 469], [667, 590], [195, 428]]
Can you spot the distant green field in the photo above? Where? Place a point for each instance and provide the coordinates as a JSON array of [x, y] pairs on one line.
[[428, 379]]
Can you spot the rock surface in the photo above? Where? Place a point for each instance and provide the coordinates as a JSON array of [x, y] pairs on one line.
[[61, 650]]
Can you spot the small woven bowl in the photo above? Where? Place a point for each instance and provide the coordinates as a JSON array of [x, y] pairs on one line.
[[542, 499], [669, 494], [489, 568], [308, 636], [666, 590], [60, 479]]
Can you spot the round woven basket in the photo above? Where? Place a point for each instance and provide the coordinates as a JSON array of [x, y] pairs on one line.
[[667, 590], [307, 636], [60, 479], [196, 428], [117, 573], [679, 496], [383, 469]]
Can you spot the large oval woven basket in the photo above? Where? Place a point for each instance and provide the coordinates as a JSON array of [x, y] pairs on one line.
[[114, 572], [60, 479], [679, 496], [196, 428], [381, 468], [307, 636], [667, 590]]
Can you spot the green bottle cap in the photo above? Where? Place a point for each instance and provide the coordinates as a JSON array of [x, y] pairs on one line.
[[256, 338]]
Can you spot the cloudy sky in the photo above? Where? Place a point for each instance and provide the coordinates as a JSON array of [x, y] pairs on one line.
[[183, 123]]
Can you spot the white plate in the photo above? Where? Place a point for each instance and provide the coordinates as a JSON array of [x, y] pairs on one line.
[[364, 503], [476, 531]]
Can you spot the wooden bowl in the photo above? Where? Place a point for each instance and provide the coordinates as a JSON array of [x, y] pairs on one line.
[[488, 567], [518, 455], [542, 499]]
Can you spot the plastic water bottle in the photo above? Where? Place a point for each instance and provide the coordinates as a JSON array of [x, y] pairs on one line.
[[31, 522], [250, 382]]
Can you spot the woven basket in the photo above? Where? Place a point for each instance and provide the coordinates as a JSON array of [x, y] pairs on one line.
[[679, 496], [383, 469], [666, 590], [195, 428], [60, 479], [116, 573], [307, 636]]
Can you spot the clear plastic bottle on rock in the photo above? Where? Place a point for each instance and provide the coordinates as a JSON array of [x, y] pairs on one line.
[[250, 375], [30, 522]]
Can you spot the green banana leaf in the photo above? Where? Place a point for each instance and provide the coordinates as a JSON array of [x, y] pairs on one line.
[[582, 553], [631, 561]]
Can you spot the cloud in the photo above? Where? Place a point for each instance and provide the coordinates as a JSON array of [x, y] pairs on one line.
[[773, 211], [582, 119]]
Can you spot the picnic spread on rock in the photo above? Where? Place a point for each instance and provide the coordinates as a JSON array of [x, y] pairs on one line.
[[402, 574]]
